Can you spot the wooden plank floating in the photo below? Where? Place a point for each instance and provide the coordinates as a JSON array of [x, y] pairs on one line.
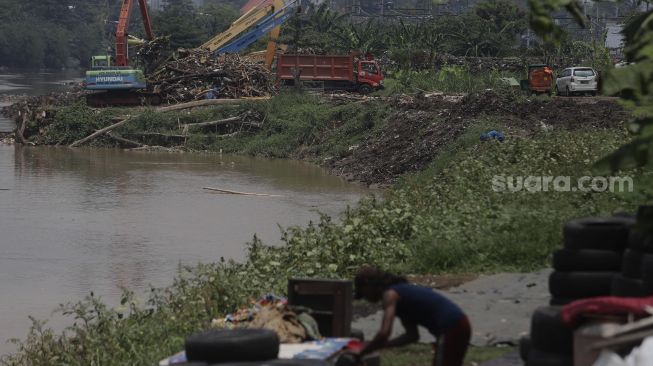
[[228, 191]]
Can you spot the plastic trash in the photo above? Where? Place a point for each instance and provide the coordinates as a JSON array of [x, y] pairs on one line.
[[494, 134]]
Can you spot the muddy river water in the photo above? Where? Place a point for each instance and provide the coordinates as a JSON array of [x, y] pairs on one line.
[[74, 221]]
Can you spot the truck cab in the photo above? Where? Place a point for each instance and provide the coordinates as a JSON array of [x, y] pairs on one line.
[[370, 77]]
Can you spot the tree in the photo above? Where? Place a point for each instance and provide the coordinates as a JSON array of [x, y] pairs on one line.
[[180, 21]]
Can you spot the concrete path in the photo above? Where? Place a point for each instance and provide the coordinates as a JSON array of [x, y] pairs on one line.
[[499, 307]]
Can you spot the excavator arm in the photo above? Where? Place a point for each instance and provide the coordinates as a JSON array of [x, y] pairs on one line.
[[253, 25], [122, 54]]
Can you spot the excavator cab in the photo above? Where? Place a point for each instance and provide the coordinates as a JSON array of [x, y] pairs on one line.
[[100, 62]]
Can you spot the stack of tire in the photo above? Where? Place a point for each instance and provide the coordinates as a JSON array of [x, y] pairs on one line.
[[238, 347], [591, 258], [586, 266], [636, 278]]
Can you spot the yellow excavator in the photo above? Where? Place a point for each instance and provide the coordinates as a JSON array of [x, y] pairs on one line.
[[256, 23]]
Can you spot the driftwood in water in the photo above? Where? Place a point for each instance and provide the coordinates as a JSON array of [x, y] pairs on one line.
[[20, 130], [99, 132], [228, 191]]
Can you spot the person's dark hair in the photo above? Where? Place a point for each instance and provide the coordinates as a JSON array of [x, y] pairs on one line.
[[371, 276]]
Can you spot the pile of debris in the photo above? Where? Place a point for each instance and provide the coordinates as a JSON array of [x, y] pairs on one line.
[[151, 54], [39, 110], [196, 74]]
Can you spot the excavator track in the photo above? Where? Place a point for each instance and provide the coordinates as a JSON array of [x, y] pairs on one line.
[[127, 98]]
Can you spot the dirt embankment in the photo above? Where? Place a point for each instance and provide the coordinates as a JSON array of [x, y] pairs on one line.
[[422, 127]]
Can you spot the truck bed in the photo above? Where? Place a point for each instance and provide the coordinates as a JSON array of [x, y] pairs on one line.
[[316, 67]]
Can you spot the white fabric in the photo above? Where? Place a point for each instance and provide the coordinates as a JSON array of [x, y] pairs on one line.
[[640, 356]]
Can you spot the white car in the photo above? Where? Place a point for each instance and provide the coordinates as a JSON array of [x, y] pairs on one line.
[[577, 80]]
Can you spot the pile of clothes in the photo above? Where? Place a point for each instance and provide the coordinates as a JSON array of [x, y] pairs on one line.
[[292, 325]]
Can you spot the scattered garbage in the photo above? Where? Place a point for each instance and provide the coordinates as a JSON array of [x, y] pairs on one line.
[[194, 73], [272, 312], [499, 136]]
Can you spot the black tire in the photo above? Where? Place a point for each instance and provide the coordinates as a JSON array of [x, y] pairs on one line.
[[541, 358], [559, 301], [365, 89], [237, 345], [637, 240], [549, 333], [524, 348], [567, 260], [600, 233], [629, 287], [632, 264], [580, 285], [647, 269]]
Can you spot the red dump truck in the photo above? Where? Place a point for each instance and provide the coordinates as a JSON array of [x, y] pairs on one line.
[[330, 72]]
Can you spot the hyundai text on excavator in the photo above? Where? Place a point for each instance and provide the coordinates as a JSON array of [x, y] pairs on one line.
[[115, 80]]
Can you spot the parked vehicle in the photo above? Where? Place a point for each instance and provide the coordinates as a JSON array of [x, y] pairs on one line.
[[577, 80], [330, 72], [540, 79]]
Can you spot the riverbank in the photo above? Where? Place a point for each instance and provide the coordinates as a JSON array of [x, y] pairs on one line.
[[440, 213], [374, 140]]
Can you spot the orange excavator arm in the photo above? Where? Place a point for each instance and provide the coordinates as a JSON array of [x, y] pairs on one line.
[[122, 55]]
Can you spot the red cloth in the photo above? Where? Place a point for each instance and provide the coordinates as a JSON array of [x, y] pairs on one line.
[[355, 345], [607, 305]]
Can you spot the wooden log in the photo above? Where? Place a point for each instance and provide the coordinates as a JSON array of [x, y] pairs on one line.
[[126, 141], [206, 102], [99, 132], [228, 191], [211, 123], [198, 103]]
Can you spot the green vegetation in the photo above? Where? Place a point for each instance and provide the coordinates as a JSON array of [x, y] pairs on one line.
[[490, 28], [422, 354], [449, 79], [59, 34], [446, 218]]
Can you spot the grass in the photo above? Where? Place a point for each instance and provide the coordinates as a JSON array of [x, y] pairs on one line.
[[445, 219], [422, 355], [450, 79]]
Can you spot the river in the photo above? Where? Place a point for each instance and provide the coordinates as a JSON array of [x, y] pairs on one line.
[[74, 221]]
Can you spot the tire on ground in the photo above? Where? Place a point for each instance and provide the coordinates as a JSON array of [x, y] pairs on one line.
[[600, 233], [541, 358], [549, 333], [630, 287], [568, 260], [580, 285], [632, 263], [235, 345], [524, 347]]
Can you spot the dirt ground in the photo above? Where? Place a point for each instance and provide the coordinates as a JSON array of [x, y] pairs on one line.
[[499, 307], [421, 128]]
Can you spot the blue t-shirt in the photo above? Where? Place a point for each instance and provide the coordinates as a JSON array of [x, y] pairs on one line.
[[423, 306]]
